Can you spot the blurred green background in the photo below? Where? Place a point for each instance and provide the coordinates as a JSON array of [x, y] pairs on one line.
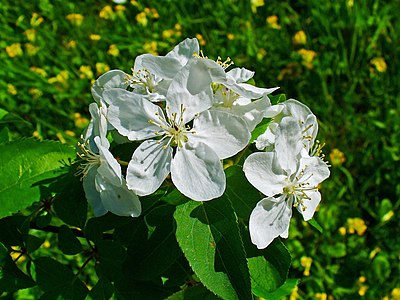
[[340, 58]]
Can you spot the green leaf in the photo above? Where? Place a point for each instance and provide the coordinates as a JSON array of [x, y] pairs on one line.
[[24, 163], [33, 243], [3, 113], [14, 230], [381, 267], [316, 225], [103, 290], [259, 130], [57, 280], [11, 277], [68, 242], [155, 249], [111, 257], [193, 293], [5, 135], [70, 203], [95, 227], [284, 290], [209, 236]]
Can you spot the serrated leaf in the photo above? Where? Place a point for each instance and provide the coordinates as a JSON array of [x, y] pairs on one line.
[[24, 163], [57, 280], [209, 236], [68, 242], [11, 277]]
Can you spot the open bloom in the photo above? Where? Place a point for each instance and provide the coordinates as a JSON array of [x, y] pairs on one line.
[[187, 141], [284, 188], [104, 186]]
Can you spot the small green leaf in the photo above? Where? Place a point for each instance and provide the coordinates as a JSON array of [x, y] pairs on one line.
[[57, 280], [68, 242], [14, 230], [43, 219], [11, 277], [209, 236], [24, 163], [193, 293], [5, 135], [284, 290], [33, 243], [381, 267], [103, 290], [316, 225]]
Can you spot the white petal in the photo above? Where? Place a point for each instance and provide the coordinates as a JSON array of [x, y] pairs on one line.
[[130, 114], [264, 174], [296, 109], [313, 170], [225, 133], [252, 113], [310, 205], [190, 88], [118, 199], [288, 144], [110, 79], [149, 166], [162, 66], [184, 50], [109, 167], [91, 193], [267, 139], [268, 220], [274, 110], [250, 91], [197, 172], [240, 75]]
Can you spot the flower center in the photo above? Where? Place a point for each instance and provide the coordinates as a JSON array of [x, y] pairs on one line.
[[143, 78], [225, 97], [89, 159]]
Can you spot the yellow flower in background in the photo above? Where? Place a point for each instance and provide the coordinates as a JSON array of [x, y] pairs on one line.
[[37, 135], [379, 63], [362, 290], [36, 20], [362, 279], [308, 57], [106, 12], [150, 47], [166, 34], [134, 3], [200, 38], [69, 133], [80, 122], [306, 264], [395, 294], [101, 68], [255, 4], [356, 225], [178, 27], [261, 53], [85, 72], [151, 12], [70, 44], [75, 19], [374, 252], [61, 77], [61, 138], [299, 38], [35, 93], [113, 50], [39, 71], [230, 36], [120, 9], [350, 3], [342, 230], [14, 50], [272, 21], [95, 37], [31, 49], [141, 18], [30, 34], [337, 157], [11, 89], [321, 296], [294, 295]]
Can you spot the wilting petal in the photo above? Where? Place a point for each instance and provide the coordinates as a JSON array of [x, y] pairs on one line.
[[225, 133], [264, 174], [149, 166], [118, 199], [131, 114], [268, 220], [197, 172]]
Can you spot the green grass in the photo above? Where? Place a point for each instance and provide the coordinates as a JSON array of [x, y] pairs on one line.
[[357, 106]]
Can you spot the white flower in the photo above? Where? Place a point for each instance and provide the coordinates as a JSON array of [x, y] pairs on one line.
[[110, 79], [284, 189], [188, 142], [98, 125], [104, 186]]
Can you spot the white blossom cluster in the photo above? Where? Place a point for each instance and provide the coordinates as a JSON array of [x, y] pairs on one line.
[[186, 113]]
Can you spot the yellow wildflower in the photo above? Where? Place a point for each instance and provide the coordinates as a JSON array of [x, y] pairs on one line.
[[80, 122], [61, 138], [291, 70], [46, 244], [272, 21], [150, 47], [70, 44], [141, 18], [101, 68], [69, 133], [75, 19], [356, 225], [31, 49], [374, 252], [386, 217], [299, 38], [154, 13], [35, 93], [202, 41], [342, 230], [39, 71], [61, 77], [308, 57], [134, 3], [17, 254], [350, 3], [37, 135], [11, 89], [261, 53], [85, 72], [337, 157], [36, 20], [379, 63], [362, 290], [395, 294], [95, 37], [306, 264], [230, 36], [120, 9], [113, 50], [255, 4], [295, 294], [30, 34], [14, 50], [178, 27], [321, 296], [362, 279], [168, 33], [106, 12]]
